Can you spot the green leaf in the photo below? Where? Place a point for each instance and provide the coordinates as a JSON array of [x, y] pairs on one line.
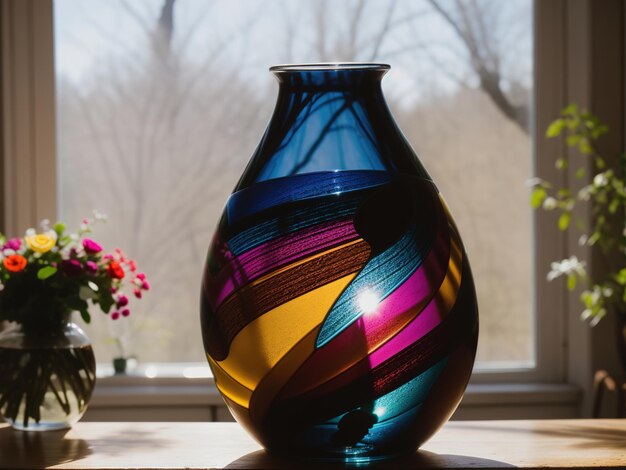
[[593, 239], [571, 282], [573, 139], [561, 164], [564, 220], [599, 131], [106, 302], [46, 272], [570, 110], [555, 128], [85, 316], [580, 173], [585, 147], [537, 196], [620, 277], [76, 303], [600, 163], [614, 205], [59, 228]]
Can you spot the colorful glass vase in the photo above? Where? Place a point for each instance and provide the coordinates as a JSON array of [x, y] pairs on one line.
[[338, 310]]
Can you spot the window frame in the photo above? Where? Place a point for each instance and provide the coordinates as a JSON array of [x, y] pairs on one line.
[[29, 168]]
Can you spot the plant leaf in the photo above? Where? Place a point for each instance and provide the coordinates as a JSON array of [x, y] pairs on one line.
[[570, 110], [564, 220], [571, 282], [555, 128], [46, 272], [85, 316], [537, 196]]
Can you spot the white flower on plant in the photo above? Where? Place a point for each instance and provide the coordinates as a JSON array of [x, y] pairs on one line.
[[99, 216], [565, 267], [582, 241], [584, 194], [549, 203], [31, 232], [8, 252], [1, 286], [586, 314], [569, 206], [532, 182], [607, 292], [600, 180], [596, 319], [45, 225]]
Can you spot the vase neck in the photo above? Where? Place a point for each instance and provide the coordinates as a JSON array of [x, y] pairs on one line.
[[323, 78], [329, 118]]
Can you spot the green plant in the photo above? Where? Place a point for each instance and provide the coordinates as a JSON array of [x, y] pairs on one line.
[[605, 195]]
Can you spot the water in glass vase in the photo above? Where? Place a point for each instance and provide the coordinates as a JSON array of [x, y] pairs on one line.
[[44, 389]]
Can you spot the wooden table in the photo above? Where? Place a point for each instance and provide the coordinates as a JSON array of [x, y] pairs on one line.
[[476, 444]]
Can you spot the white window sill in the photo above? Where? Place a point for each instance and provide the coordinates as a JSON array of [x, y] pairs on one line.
[[190, 386]]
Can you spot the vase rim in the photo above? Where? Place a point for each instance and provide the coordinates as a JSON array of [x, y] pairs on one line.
[[330, 66]]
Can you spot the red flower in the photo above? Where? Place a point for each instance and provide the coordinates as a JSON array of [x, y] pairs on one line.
[[115, 270], [15, 263]]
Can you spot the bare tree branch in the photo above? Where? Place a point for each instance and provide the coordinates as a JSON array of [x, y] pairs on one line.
[[384, 31], [471, 30]]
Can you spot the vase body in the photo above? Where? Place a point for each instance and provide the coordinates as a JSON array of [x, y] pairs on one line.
[[46, 376], [338, 310]]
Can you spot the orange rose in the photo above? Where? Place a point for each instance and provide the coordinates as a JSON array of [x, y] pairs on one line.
[[15, 263]]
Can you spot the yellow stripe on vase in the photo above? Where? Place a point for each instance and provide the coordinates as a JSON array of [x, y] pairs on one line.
[[262, 343], [228, 386]]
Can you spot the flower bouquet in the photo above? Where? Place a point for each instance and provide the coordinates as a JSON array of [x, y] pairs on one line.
[[47, 366]]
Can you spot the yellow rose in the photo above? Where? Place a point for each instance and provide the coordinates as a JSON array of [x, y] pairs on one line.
[[40, 242]]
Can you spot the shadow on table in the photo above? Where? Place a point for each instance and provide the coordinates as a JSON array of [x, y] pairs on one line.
[[23, 449], [421, 459]]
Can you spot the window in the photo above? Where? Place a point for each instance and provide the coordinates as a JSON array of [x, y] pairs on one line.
[[161, 103]]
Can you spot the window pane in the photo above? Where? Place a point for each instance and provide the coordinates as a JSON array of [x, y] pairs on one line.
[[160, 105]]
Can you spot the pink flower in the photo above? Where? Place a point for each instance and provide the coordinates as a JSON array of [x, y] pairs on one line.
[[91, 267], [137, 293], [13, 244], [113, 289], [125, 312], [71, 267], [115, 315], [92, 247], [145, 285], [122, 301], [141, 276]]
